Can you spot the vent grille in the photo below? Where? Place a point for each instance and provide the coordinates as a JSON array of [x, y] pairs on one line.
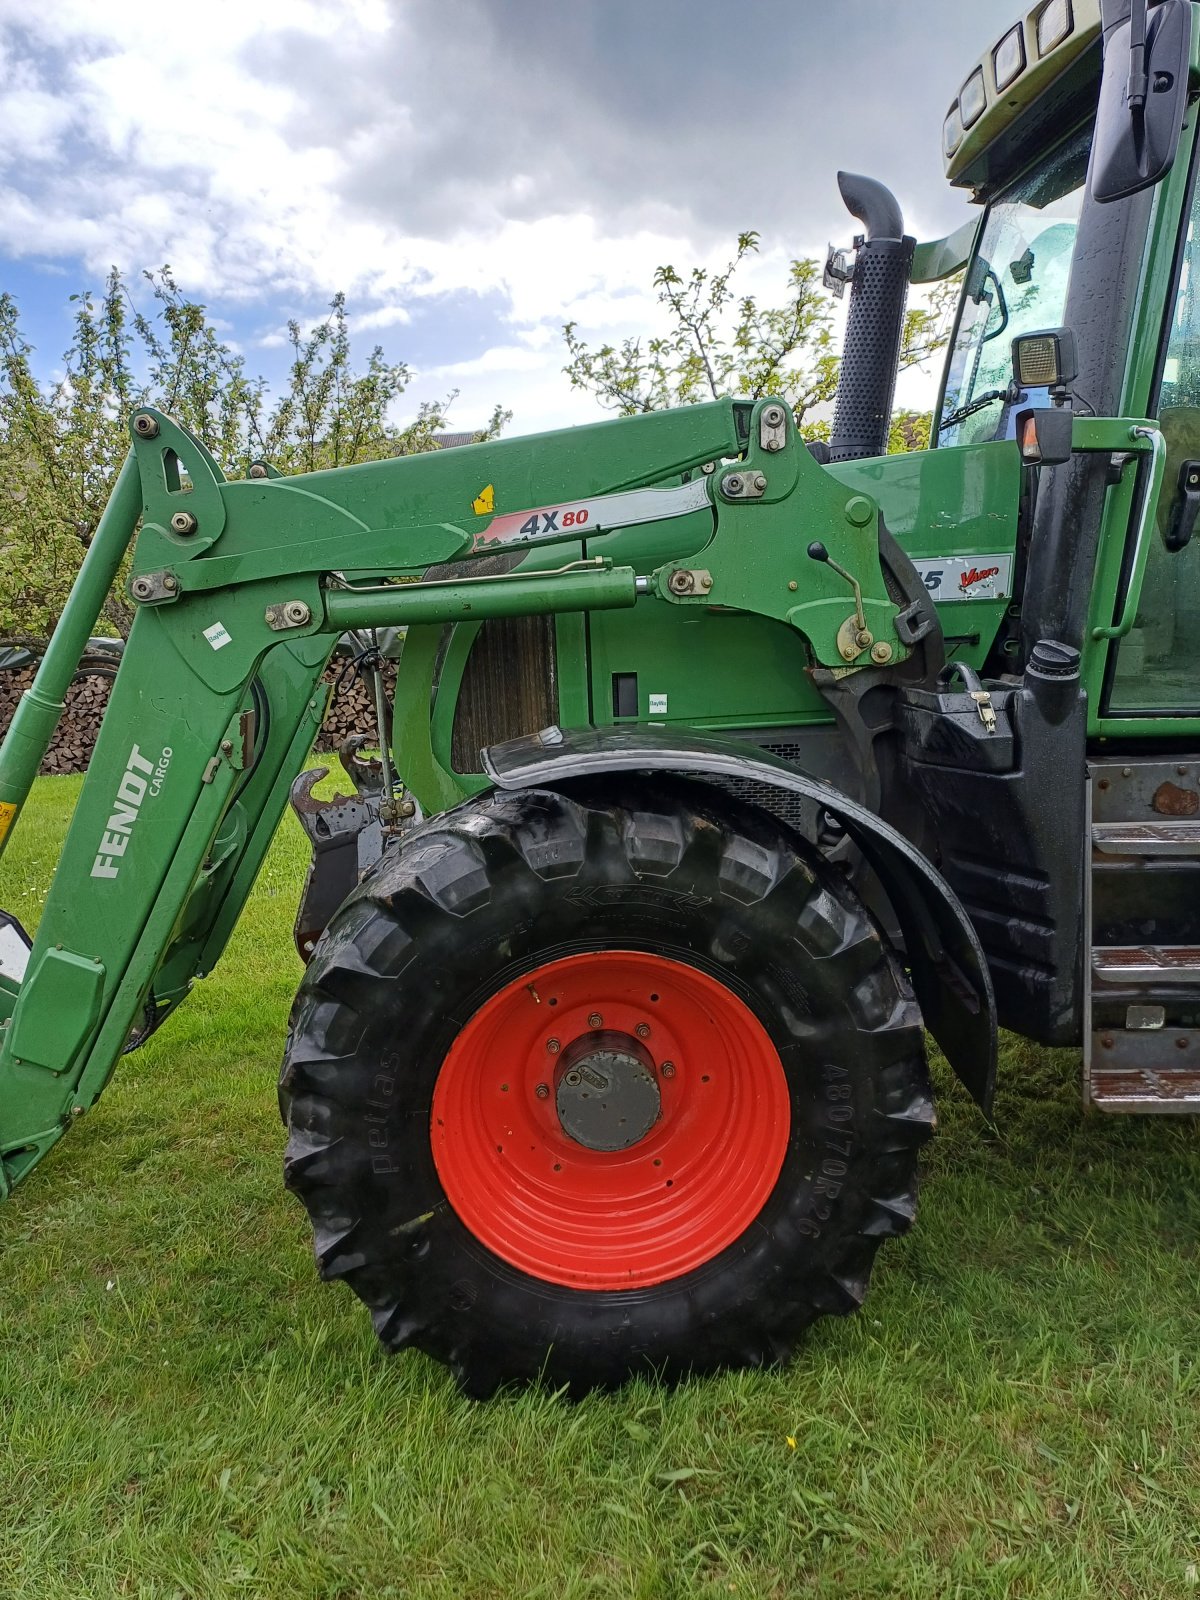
[[509, 687]]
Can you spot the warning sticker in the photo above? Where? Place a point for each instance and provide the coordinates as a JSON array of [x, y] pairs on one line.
[[218, 635], [658, 705], [7, 817], [484, 502]]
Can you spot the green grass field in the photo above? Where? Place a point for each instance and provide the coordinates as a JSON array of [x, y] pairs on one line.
[[186, 1411]]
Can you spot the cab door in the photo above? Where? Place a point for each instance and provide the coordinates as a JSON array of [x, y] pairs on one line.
[[1151, 678]]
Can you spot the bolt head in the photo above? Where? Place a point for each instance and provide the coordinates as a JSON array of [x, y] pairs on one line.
[[667, 1069], [642, 1030], [553, 1046], [760, 481], [881, 653], [145, 426], [732, 484], [142, 588], [296, 612], [170, 583], [680, 582], [706, 581], [542, 1091], [183, 522], [773, 416], [595, 1020]]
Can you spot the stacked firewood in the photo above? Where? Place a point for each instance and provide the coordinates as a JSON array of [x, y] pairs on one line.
[[351, 711]]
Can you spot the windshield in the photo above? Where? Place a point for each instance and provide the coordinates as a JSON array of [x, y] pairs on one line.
[[1016, 283]]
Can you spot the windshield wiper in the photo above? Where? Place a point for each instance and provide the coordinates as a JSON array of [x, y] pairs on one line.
[[975, 405]]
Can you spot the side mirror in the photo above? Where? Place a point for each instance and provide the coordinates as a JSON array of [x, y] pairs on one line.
[[1135, 144]]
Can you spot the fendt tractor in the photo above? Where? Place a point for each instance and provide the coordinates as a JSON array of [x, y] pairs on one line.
[[720, 765]]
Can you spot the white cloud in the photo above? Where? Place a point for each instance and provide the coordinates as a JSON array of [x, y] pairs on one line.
[[239, 142]]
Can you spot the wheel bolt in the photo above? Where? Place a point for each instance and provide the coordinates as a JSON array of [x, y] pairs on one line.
[[667, 1069], [553, 1046], [542, 1091], [595, 1020], [642, 1030]]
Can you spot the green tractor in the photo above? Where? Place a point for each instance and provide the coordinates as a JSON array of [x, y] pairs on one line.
[[719, 767]]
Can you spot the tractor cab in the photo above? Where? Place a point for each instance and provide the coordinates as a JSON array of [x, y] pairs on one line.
[[1077, 347]]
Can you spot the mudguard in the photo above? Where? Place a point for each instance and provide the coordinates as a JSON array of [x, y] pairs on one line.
[[949, 970]]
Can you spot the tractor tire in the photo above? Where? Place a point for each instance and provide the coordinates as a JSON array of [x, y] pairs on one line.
[[609, 1079]]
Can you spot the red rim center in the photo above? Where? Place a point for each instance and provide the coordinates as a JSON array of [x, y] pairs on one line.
[[506, 1130]]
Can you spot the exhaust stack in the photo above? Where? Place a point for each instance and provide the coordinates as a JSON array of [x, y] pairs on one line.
[[878, 292]]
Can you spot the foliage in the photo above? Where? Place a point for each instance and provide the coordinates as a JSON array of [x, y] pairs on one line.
[[188, 1411], [62, 444], [718, 344]]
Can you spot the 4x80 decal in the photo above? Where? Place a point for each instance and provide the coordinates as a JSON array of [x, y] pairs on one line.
[[537, 523]]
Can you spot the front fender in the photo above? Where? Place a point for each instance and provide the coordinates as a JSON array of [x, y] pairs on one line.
[[949, 971]]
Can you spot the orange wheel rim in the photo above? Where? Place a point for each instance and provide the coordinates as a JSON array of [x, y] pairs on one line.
[[610, 1120]]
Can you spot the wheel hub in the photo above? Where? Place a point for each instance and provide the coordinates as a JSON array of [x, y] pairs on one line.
[[607, 1095]]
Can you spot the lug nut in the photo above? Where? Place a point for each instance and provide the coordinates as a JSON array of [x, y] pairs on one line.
[[595, 1020], [553, 1046], [183, 522], [144, 425], [667, 1069], [642, 1030], [542, 1091]]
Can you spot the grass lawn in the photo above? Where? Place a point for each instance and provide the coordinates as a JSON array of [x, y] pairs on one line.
[[186, 1411]]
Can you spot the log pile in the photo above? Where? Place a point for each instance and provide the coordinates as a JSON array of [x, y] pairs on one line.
[[350, 711]]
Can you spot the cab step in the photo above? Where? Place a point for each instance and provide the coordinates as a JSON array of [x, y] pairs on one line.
[[1135, 965], [1142, 1027], [1173, 838], [1145, 1070]]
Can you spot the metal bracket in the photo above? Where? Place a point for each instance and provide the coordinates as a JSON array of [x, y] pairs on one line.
[[744, 485], [288, 614], [853, 638], [772, 428], [153, 588], [839, 271], [690, 581]]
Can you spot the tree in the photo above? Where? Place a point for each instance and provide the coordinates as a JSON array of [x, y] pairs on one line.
[[717, 344], [62, 444]]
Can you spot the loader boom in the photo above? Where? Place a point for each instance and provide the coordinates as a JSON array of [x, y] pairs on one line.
[[242, 590]]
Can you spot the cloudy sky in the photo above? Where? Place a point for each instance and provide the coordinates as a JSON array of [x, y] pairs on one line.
[[473, 173]]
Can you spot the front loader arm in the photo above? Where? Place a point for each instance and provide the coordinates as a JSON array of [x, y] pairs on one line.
[[242, 589]]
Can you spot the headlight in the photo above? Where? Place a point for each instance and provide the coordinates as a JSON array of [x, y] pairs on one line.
[[972, 102], [1053, 26], [1008, 58], [953, 131]]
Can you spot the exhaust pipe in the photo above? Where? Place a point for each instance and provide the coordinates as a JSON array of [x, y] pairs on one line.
[[878, 293]]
